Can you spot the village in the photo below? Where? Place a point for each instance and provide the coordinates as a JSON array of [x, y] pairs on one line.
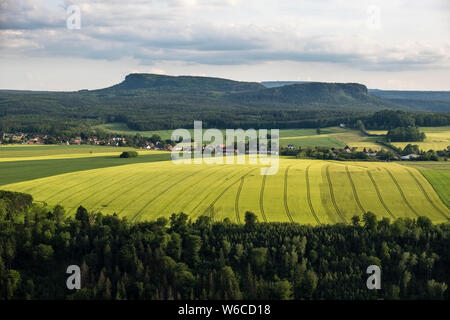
[[115, 141]]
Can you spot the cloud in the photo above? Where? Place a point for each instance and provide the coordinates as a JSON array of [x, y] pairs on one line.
[[217, 32]]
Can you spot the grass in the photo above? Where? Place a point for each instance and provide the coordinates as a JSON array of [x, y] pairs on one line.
[[304, 191]]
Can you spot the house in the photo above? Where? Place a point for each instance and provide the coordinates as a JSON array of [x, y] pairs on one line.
[[290, 147], [410, 156], [347, 149]]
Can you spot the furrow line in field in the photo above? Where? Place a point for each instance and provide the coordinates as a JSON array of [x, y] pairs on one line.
[[426, 194], [401, 191], [187, 189], [210, 207], [333, 200], [308, 195], [377, 190], [139, 213], [209, 193], [139, 186], [286, 207], [84, 190], [355, 194], [236, 200], [261, 198], [115, 184]]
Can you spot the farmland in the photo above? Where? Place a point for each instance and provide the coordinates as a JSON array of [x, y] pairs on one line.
[[305, 191], [438, 174], [23, 162], [437, 138], [328, 137]]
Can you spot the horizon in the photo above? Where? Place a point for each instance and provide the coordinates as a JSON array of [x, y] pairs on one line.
[[187, 75], [57, 45]]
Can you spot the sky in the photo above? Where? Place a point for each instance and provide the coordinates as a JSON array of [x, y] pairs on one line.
[[91, 44]]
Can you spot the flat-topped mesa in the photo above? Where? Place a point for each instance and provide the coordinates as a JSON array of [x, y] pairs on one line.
[[192, 83]]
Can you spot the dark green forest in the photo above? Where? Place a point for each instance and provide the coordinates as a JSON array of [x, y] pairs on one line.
[[178, 258], [155, 102]]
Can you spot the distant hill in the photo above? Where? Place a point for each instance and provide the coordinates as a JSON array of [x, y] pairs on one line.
[[153, 102], [274, 84], [183, 83], [419, 100], [330, 95]]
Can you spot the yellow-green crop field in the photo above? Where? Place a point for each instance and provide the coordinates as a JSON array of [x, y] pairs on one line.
[[304, 191], [437, 138]]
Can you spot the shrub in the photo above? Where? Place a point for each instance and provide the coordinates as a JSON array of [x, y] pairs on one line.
[[129, 154]]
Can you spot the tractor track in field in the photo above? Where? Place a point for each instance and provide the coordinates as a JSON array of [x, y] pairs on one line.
[[123, 186], [380, 198], [210, 207], [355, 194], [236, 200], [261, 198], [401, 192], [202, 179], [108, 187], [63, 190], [426, 194], [209, 193], [333, 199], [286, 207], [134, 188], [139, 213], [308, 195], [89, 187]]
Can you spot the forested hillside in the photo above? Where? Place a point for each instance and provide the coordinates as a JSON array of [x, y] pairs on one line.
[[151, 102], [417, 100]]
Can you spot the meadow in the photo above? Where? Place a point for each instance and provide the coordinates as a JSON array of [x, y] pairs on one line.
[[304, 191]]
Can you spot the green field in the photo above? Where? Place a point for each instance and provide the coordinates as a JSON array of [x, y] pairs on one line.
[[49, 150], [438, 174], [22, 163], [305, 191]]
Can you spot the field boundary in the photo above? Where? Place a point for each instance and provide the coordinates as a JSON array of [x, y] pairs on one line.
[[426, 193], [379, 194], [333, 200], [401, 191], [308, 196], [355, 194]]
